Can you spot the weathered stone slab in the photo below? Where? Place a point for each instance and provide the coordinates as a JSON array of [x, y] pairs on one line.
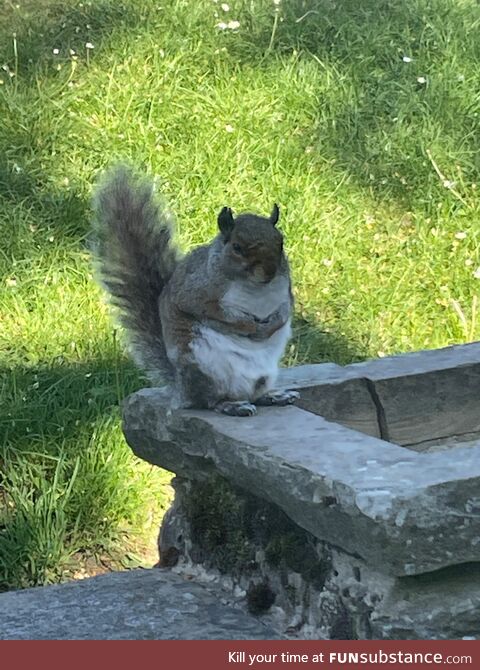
[[413, 363], [303, 376], [407, 399], [417, 362], [403, 512], [136, 605], [238, 540], [452, 442], [444, 605], [428, 395], [349, 403], [440, 605], [433, 405]]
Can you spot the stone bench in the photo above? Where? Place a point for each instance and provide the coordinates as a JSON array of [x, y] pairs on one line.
[[356, 512]]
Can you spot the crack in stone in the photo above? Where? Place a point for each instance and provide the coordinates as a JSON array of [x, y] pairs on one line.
[[381, 418], [437, 441]]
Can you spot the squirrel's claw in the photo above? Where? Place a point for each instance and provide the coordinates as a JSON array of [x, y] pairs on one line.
[[279, 398], [236, 408]]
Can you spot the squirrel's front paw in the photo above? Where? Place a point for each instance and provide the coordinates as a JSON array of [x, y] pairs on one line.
[[279, 398], [236, 408]]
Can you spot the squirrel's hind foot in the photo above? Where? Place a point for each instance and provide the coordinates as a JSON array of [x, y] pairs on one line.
[[236, 408], [245, 408], [279, 398]]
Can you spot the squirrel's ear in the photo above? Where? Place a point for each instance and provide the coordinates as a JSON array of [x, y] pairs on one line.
[[275, 215], [225, 221]]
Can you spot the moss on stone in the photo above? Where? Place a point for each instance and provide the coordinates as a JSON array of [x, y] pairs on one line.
[[229, 526], [216, 517], [260, 598], [295, 550]]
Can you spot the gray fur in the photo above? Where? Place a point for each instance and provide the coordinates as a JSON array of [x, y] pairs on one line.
[[135, 258]]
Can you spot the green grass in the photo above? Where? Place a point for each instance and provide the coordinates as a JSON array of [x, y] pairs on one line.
[[373, 158]]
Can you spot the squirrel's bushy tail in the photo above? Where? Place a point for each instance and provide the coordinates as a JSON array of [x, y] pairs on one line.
[[135, 258]]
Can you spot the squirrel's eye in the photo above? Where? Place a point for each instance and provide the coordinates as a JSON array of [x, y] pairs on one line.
[[237, 248]]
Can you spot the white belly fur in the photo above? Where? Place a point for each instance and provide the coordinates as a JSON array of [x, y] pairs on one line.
[[236, 363]]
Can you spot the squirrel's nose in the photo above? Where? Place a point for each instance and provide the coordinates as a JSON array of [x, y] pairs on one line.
[[264, 273]]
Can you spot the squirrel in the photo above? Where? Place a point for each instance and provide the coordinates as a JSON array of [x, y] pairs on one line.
[[212, 324]]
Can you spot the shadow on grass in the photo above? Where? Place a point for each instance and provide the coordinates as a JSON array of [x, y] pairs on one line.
[[62, 211], [29, 34], [32, 30], [67, 482], [311, 344], [49, 404]]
